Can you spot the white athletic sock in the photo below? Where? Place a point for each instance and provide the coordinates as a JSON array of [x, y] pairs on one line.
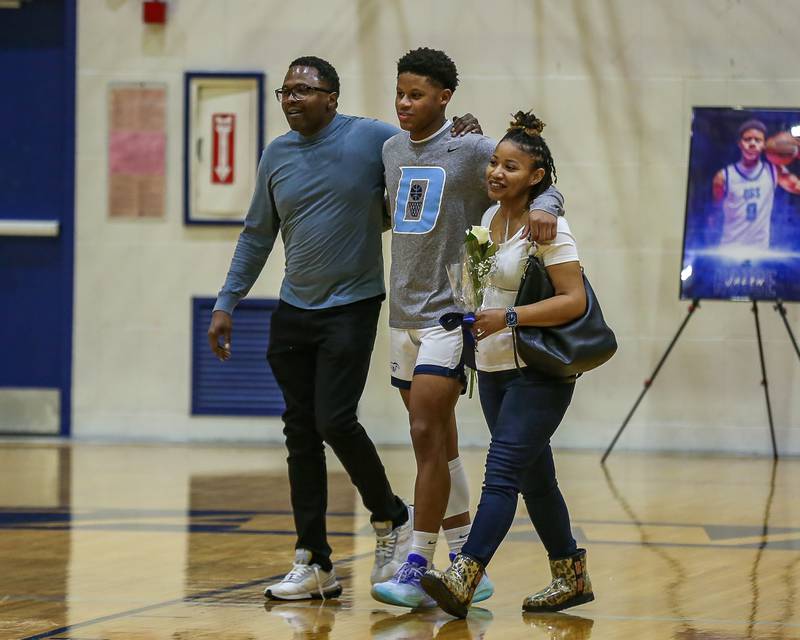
[[456, 537], [423, 544]]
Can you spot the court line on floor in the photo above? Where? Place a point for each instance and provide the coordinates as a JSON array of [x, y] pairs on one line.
[[176, 528], [167, 603], [782, 542], [24, 520], [88, 513]]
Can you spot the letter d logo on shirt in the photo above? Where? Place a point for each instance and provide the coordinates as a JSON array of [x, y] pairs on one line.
[[419, 199]]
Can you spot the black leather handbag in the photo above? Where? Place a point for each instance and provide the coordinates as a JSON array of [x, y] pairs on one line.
[[569, 349]]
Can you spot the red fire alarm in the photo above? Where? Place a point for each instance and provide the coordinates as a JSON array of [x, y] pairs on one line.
[[154, 12]]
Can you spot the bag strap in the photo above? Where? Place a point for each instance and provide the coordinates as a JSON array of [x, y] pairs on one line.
[[513, 331], [516, 355]]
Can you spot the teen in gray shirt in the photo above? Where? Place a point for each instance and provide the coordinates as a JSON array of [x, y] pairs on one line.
[[437, 189]]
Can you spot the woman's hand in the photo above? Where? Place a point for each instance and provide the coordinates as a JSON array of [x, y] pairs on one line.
[[488, 322]]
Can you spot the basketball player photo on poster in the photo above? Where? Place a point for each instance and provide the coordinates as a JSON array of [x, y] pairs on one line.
[[742, 226]]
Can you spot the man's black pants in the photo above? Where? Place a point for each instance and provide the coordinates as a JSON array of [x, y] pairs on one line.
[[320, 358]]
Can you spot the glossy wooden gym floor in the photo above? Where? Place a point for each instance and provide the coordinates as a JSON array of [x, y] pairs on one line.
[[150, 542]]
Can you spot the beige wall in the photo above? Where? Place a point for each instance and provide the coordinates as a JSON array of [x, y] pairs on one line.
[[614, 80]]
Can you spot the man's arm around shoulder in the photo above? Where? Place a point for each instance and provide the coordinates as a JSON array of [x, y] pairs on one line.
[[543, 216]]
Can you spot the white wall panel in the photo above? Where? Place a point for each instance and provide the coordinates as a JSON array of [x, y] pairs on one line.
[[614, 80]]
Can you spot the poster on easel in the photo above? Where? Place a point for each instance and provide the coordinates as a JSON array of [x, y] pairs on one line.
[[223, 140], [742, 222], [137, 142]]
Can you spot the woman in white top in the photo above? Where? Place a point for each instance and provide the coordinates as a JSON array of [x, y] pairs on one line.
[[522, 407]]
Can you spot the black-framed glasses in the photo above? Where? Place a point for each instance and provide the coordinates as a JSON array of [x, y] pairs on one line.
[[299, 92]]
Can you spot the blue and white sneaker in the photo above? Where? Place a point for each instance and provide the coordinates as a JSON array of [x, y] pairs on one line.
[[485, 588], [404, 589]]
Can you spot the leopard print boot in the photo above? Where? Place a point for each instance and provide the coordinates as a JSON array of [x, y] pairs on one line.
[[454, 587], [571, 585]]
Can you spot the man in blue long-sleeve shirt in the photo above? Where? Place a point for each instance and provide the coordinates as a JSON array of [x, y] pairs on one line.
[[322, 186]]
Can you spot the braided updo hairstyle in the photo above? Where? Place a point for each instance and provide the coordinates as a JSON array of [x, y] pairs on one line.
[[525, 131]]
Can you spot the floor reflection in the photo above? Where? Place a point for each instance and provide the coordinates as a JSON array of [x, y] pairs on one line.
[[35, 549], [675, 566], [307, 620], [316, 621], [754, 586], [560, 626], [681, 576], [429, 624]]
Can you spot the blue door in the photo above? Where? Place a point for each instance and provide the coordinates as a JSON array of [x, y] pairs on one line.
[[37, 166]]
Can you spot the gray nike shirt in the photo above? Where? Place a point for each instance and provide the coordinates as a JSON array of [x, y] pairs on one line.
[[437, 189]]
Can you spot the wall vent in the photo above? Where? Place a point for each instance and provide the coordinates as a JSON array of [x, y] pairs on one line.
[[244, 385]]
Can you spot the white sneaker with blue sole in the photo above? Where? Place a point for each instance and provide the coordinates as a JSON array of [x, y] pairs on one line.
[[404, 589]]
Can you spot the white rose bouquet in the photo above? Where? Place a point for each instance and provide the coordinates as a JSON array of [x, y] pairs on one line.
[[479, 262], [469, 280]]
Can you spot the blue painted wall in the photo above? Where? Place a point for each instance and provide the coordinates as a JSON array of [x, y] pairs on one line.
[[37, 169]]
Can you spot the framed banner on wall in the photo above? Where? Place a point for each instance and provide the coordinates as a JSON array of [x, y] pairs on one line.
[[137, 142], [223, 140]]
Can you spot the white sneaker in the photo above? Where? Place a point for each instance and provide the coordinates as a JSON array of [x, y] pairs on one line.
[[391, 547], [305, 581]]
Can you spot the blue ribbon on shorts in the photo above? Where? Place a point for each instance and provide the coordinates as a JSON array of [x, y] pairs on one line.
[[451, 322]]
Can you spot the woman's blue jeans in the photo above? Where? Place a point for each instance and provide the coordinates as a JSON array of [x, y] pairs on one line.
[[522, 412]]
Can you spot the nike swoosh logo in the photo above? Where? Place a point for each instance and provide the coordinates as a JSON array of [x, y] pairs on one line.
[[453, 149]]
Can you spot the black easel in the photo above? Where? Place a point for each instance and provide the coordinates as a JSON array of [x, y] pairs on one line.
[[649, 381], [782, 311], [764, 382]]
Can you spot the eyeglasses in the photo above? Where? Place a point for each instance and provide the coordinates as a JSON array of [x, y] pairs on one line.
[[299, 92]]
